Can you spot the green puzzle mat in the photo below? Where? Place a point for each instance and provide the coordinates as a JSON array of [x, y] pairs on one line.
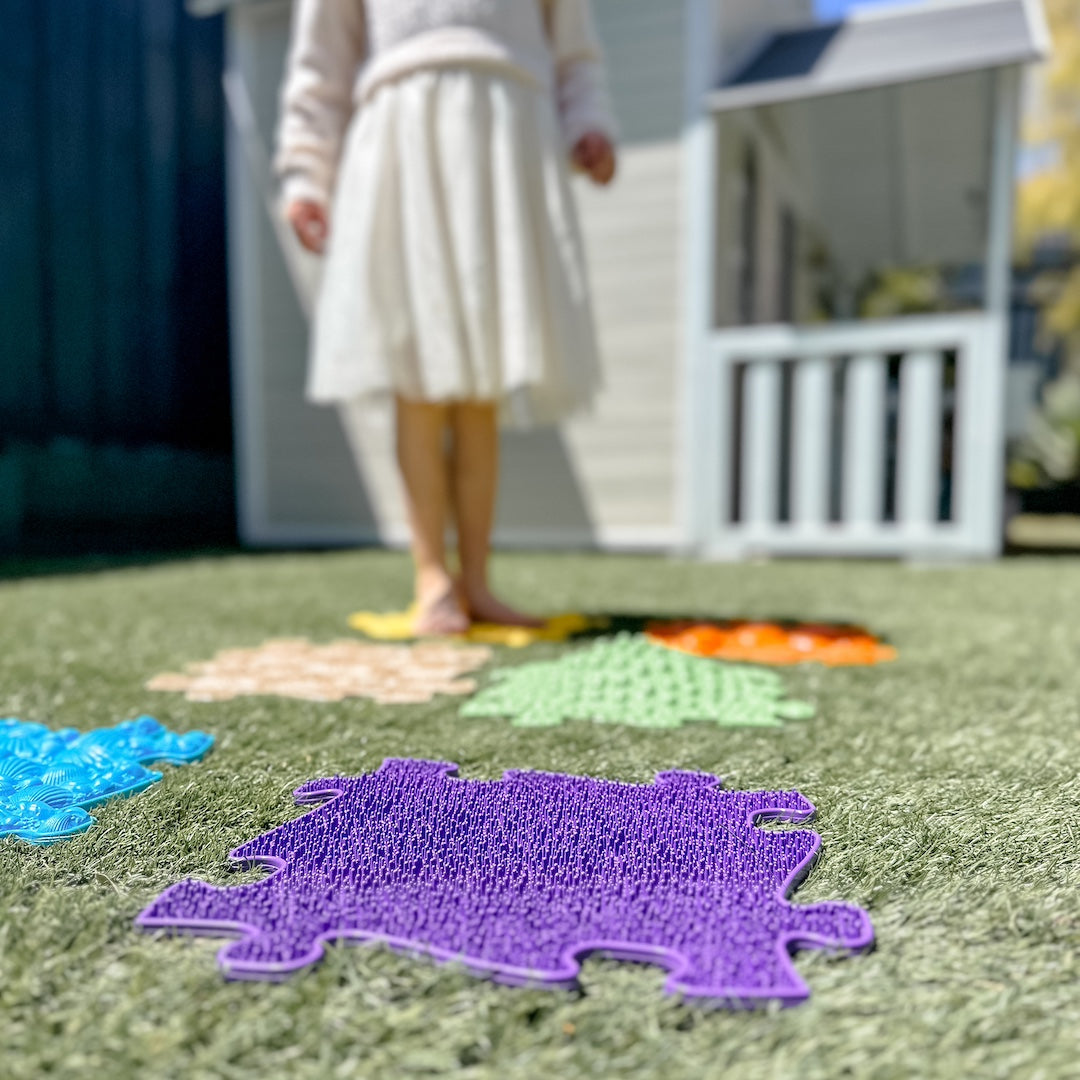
[[627, 680]]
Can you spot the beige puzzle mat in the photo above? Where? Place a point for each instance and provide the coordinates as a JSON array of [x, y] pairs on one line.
[[295, 668]]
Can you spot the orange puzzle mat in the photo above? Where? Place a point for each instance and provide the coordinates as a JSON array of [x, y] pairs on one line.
[[774, 643]]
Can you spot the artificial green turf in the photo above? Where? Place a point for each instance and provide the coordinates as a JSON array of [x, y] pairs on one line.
[[946, 787]]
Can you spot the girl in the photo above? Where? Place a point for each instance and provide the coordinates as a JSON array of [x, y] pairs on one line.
[[423, 146]]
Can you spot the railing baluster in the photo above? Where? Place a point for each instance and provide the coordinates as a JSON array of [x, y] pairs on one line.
[[864, 441], [979, 437], [919, 443], [811, 442], [761, 443]]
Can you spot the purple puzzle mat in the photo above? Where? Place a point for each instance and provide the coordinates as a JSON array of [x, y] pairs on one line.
[[521, 877]]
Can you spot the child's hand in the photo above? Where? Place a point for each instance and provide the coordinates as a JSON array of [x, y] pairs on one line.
[[595, 155], [310, 224]]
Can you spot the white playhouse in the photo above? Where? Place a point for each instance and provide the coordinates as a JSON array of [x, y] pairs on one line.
[[770, 167]]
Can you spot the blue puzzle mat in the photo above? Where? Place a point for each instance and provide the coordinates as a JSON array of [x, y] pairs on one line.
[[48, 779]]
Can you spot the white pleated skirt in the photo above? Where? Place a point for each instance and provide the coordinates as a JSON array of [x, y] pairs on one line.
[[455, 268]]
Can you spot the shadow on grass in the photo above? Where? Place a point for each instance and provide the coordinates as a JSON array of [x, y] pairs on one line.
[[15, 567]]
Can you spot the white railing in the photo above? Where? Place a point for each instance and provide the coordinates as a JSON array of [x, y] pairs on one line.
[[880, 438]]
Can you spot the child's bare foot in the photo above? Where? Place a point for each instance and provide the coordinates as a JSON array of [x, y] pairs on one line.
[[486, 608], [438, 610]]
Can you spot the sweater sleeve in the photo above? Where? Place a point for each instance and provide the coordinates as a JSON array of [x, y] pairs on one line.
[[583, 97], [326, 48]]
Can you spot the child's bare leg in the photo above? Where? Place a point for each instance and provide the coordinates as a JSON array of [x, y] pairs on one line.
[[474, 475], [421, 455]]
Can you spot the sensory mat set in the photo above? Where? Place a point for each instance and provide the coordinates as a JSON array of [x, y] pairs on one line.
[[518, 878], [938, 779]]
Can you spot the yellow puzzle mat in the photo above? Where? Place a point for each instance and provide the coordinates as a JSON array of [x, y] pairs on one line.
[[398, 626]]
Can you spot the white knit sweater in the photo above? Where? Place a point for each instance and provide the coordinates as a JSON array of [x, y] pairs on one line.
[[342, 50]]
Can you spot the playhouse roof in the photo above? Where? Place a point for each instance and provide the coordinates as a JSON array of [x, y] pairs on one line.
[[884, 47]]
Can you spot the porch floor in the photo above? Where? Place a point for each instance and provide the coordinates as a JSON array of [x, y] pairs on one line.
[[946, 786]]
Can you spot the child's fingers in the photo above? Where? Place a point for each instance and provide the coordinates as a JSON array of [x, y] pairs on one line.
[[587, 151], [308, 220], [583, 159], [315, 235], [595, 155], [603, 169]]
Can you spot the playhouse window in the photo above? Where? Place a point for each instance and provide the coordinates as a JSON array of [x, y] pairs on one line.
[[871, 204]]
